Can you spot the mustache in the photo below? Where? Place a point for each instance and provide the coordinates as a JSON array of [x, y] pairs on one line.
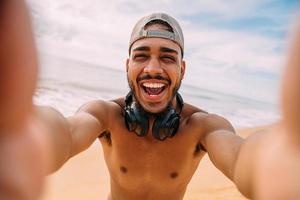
[[157, 77]]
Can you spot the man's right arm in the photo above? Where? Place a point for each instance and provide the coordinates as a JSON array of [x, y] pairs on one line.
[[72, 135]]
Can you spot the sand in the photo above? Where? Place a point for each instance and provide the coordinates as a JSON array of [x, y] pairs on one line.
[[85, 177]]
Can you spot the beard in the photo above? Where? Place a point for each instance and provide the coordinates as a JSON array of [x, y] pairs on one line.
[[136, 100]]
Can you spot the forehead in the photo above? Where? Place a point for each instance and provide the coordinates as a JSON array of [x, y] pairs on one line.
[[156, 43]]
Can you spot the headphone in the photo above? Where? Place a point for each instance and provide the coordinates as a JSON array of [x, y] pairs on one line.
[[165, 125]]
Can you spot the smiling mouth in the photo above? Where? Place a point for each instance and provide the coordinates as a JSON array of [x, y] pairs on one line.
[[153, 89]]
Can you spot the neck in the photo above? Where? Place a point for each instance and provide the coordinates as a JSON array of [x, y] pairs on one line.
[[176, 103]]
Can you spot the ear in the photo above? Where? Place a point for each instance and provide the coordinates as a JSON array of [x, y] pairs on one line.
[[182, 69], [127, 64]]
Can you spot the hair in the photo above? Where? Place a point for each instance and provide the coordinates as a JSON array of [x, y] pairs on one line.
[[161, 22]]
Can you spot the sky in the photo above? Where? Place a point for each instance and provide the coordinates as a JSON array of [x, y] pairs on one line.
[[236, 47]]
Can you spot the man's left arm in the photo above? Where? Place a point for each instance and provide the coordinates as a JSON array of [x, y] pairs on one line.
[[231, 154]]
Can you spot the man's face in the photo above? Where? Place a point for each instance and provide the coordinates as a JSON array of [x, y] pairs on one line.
[[154, 70]]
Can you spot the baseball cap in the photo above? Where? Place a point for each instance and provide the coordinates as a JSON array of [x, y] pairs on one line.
[[139, 31]]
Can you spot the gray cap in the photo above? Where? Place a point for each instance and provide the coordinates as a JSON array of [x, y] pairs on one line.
[[139, 31]]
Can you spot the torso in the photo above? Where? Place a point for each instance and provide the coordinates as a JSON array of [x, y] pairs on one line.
[[146, 168]]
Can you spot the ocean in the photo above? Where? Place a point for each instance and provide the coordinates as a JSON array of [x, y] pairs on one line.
[[66, 84]]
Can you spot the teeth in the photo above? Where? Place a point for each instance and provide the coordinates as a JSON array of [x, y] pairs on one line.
[[153, 85]]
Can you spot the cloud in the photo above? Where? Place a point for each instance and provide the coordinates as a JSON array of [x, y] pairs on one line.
[[181, 7], [99, 30]]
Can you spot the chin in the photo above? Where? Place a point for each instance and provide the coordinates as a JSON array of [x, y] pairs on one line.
[[154, 108]]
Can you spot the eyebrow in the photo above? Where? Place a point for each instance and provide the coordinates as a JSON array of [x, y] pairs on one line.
[[142, 48], [162, 49], [168, 50]]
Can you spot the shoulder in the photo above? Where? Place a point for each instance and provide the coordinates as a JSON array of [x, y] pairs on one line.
[[94, 107], [216, 122], [101, 109], [208, 121], [193, 115]]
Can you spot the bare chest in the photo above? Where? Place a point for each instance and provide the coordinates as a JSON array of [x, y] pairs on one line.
[[136, 163]]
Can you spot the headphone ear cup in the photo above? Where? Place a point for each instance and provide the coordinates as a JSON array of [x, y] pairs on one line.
[[167, 126], [173, 124], [142, 125], [157, 132], [135, 119], [130, 119]]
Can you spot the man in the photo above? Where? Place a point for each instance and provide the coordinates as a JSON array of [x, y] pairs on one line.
[[152, 140]]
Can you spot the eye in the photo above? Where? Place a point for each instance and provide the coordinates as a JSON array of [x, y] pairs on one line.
[[168, 59], [140, 57]]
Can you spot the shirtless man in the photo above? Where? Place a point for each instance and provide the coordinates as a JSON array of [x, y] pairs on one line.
[[152, 140], [145, 161]]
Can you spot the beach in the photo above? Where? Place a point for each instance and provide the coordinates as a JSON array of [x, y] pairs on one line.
[[232, 70], [68, 80], [68, 83], [86, 177]]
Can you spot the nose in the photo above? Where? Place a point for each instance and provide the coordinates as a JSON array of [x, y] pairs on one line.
[[153, 67]]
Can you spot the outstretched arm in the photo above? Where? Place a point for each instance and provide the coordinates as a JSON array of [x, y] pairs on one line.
[[220, 133], [23, 151], [230, 153], [72, 135], [33, 141], [277, 170], [265, 165]]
